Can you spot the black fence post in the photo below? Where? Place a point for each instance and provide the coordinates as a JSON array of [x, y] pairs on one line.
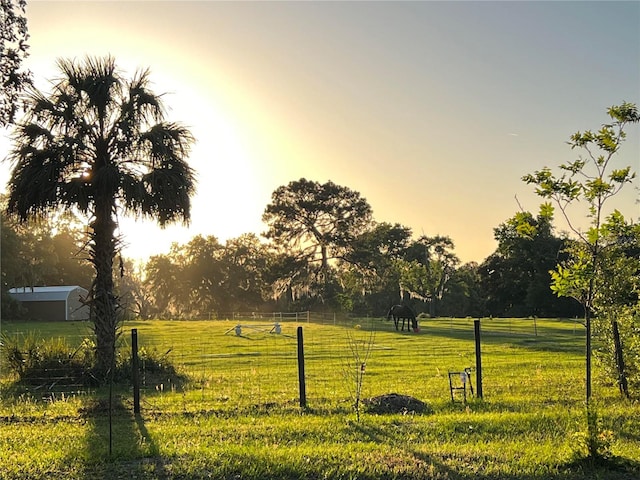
[[622, 377], [476, 328], [303, 388], [134, 370]]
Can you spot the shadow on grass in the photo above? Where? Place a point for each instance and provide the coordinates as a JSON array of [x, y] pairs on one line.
[[614, 468], [136, 454], [444, 466], [493, 332], [118, 444], [560, 343]]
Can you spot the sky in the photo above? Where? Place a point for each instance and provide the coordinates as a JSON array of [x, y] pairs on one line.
[[432, 111]]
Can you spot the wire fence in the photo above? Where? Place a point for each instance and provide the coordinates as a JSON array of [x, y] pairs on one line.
[[247, 361], [302, 316]]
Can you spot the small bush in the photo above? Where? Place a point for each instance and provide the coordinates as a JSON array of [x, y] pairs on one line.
[[36, 362], [155, 369]]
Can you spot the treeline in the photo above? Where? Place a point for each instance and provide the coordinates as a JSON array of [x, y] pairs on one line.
[[322, 251]]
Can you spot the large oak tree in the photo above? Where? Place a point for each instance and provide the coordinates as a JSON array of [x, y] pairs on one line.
[[318, 222], [321, 219]]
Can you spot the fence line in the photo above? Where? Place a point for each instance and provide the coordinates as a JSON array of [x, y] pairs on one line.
[[299, 316], [258, 366]]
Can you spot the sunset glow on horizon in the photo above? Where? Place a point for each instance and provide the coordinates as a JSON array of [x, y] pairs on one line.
[[432, 111]]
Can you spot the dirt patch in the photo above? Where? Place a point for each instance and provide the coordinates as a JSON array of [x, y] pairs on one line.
[[396, 403]]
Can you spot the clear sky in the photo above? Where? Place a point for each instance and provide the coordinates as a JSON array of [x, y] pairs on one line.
[[433, 111]]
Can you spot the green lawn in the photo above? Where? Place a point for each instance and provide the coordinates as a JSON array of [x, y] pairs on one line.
[[239, 415]]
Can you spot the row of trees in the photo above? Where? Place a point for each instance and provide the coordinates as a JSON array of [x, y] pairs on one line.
[[316, 258]]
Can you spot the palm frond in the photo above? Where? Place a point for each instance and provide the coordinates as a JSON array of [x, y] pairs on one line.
[[97, 136], [33, 185], [149, 105], [170, 190], [136, 198], [31, 135], [96, 78], [78, 193], [167, 140]]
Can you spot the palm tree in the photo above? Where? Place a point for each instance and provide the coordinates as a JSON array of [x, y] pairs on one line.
[[99, 143]]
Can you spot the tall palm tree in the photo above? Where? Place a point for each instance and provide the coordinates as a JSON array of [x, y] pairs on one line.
[[99, 143]]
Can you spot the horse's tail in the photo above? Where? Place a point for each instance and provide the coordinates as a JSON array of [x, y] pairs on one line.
[[389, 314]]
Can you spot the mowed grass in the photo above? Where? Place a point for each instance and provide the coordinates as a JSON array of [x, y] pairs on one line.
[[239, 415]]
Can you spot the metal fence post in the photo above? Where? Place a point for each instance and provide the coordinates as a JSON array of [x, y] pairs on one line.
[[301, 381], [134, 370], [476, 328], [622, 377]]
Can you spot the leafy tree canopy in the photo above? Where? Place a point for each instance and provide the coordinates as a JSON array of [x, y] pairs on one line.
[[322, 219], [14, 36]]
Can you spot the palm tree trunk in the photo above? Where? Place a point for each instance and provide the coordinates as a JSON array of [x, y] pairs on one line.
[[104, 302]]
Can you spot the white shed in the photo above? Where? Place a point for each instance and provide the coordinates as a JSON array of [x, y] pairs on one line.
[[63, 302]]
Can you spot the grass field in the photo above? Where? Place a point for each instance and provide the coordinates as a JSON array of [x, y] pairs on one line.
[[238, 416]]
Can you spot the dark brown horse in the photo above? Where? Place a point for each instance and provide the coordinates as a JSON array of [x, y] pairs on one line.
[[404, 313]]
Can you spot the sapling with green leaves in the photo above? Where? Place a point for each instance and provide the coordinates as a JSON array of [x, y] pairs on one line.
[[360, 347], [592, 179]]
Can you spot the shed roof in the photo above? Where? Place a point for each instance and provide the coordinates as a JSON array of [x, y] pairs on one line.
[[45, 294]]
